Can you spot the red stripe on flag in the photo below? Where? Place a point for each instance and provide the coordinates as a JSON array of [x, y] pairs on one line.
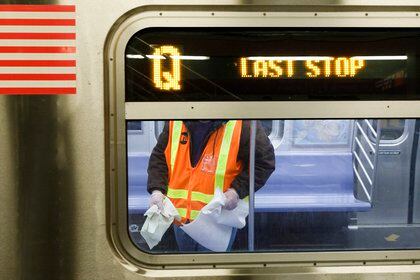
[[67, 90], [37, 8], [20, 49], [38, 63], [27, 21], [37, 77], [58, 36]]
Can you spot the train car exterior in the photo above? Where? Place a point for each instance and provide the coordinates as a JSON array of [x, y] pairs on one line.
[[65, 159]]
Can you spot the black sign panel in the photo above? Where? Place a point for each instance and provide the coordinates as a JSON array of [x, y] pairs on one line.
[[272, 64]]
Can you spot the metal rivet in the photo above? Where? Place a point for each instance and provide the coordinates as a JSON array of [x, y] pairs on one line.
[[417, 14], [212, 14], [111, 59], [315, 14], [160, 14], [366, 14], [264, 14]]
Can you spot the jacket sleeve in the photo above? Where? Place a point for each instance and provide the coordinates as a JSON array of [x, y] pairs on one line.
[[158, 170], [264, 160]]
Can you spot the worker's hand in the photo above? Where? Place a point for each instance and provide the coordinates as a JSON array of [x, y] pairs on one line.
[[232, 199], [156, 198]]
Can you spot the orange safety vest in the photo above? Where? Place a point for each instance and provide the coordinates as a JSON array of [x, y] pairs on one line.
[[191, 188]]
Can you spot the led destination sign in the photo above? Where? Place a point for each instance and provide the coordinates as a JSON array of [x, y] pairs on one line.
[[314, 67], [261, 67], [219, 64]]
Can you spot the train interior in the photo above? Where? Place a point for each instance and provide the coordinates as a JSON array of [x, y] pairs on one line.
[[338, 184]]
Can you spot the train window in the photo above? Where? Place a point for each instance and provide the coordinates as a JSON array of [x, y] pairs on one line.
[[268, 126], [158, 128], [261, 145], [347, 195], [311, 64], [275, 130], [321, 133], [391, 129], [134, 126]]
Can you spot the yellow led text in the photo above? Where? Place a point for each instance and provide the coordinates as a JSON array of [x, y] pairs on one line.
[[266, 68], [167, 80], [313, 68]]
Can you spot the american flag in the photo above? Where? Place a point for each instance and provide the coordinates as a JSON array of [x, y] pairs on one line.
[[37, 49]]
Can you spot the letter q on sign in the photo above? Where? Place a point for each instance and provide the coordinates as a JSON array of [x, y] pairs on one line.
[[167, 80]]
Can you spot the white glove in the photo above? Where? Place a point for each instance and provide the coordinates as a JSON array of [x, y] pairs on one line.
[[232, 199], [156, 198]]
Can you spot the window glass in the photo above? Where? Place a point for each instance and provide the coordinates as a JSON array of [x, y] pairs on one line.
[[324, 188], [268, 126], [272, 64], [134, 125], [391, 129]]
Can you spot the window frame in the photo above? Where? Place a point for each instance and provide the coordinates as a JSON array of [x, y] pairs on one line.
[[118, 111]]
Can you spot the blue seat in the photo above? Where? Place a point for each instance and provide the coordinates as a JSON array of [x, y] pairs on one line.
[[310, 183], [301, 183]]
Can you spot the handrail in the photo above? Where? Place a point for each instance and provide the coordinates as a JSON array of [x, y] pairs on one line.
[[362, 184], [371, 128], [363, 168], [253, 133], [362, 127], [364, 152], [366, 137]]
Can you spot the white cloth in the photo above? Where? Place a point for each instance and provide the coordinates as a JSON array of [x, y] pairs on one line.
[[213, 226], [158, 221]]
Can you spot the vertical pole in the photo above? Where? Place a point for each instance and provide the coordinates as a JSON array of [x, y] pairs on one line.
[[376, 158], [252, 134]]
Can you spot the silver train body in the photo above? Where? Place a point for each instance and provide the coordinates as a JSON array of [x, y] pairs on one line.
[[58, 153]]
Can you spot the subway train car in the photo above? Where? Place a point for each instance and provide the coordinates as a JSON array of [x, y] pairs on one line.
[[325, 90]]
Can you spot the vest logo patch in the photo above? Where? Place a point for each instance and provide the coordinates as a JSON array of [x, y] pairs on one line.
[[209, 164], [184, 138]]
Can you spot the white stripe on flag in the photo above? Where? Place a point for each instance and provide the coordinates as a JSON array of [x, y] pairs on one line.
[[30, 84], [38, 15], [36, 28], [37, 70], [38, 43], [37, 56]]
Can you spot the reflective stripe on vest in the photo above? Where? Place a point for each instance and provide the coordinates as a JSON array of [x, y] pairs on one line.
[[219, 173], [183, 213], [176, 134], [223, 156], [183, 194]]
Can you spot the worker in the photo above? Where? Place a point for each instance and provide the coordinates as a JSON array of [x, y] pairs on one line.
[[192, 158]]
